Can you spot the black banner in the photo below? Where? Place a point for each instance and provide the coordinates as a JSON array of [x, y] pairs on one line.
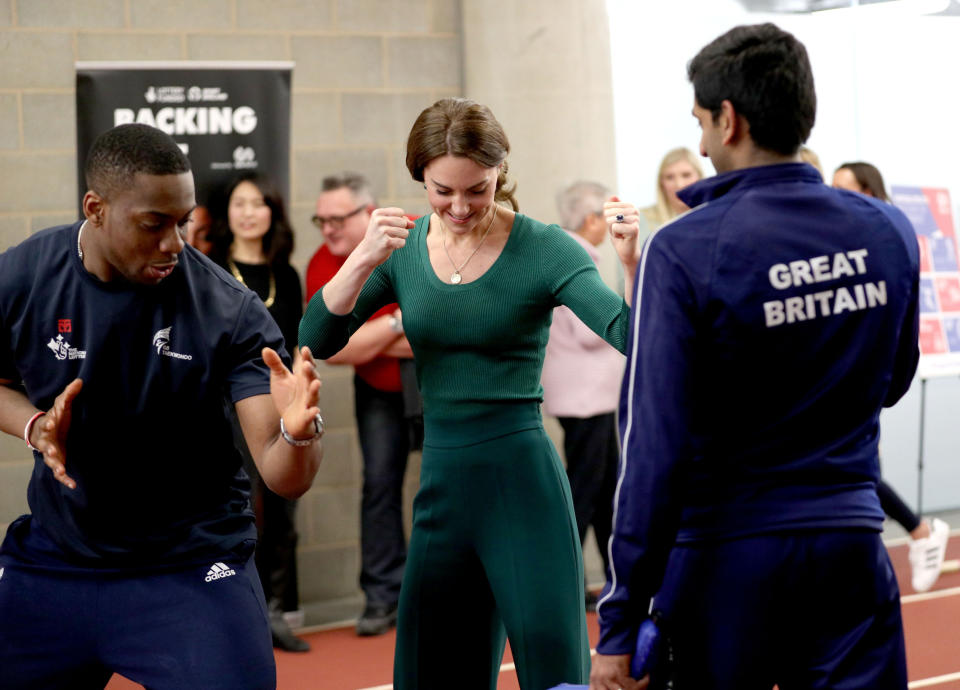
[[227, 116]]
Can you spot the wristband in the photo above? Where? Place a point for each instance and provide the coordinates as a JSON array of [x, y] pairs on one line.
[[300, 442], [29, 427], [396, 325]]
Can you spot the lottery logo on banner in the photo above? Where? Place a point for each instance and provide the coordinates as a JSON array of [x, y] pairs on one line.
[[227, 116], [930, 212]]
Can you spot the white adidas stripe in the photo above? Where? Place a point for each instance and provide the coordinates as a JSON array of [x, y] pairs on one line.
[[624, 442]]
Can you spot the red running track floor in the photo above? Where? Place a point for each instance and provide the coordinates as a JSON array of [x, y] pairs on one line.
[[339, 660]]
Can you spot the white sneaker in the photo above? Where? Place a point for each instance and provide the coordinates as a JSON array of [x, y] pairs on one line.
[[926, 556]]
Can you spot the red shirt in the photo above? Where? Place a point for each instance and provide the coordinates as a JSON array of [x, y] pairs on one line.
[[381, 372]]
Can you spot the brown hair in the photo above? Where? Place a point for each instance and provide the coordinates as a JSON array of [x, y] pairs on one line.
[[869, 179], [465, 128]]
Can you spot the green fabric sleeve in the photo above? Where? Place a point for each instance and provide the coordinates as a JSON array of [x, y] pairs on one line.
[[576, 283], [325, 333]]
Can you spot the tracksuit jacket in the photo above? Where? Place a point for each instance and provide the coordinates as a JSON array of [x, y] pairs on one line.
[[771, 324]]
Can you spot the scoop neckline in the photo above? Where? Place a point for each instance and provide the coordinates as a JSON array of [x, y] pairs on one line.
[[494, 267]]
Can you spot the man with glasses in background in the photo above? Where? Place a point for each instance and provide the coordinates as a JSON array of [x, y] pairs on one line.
[[379, 352]]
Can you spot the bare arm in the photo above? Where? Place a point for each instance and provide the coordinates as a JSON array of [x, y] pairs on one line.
[[15, 409], [49, 432], [400, 348], [287, 469]]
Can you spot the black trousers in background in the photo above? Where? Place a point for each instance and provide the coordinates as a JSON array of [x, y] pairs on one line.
[[591, 448], [895, 508], [385, 441], [276, 552]]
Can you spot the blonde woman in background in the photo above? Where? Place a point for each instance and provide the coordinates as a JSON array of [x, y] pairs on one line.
[[678, 169], [808, 155]]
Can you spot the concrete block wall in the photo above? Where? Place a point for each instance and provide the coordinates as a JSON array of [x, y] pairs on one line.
[[364, 70]]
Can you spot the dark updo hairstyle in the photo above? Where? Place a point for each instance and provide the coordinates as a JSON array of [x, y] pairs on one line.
[[464, 128], [869, 179], [277, 242]]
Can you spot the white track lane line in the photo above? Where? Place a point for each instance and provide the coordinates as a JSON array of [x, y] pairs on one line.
[[937, 680], [503, 667], [925, 596]]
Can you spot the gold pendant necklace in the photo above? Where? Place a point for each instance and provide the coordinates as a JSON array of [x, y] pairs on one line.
[[268, 302], [456, 278]]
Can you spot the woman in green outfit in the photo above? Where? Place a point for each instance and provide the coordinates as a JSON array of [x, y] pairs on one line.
[[494, 549]]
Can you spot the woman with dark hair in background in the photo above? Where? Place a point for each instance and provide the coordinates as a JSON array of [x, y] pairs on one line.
[[252, 239], [860, 177], [928, 540], [494, 547]]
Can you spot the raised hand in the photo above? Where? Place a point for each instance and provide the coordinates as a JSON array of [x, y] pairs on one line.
[[623, 221], [295, 394], [49, 433], [387, 231]]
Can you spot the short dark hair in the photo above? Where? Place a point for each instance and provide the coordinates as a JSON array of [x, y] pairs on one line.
[[869, 179], [277, 242], [765, 73], [118, 154]]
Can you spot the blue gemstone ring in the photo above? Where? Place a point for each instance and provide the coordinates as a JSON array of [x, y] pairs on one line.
[[619, 217]]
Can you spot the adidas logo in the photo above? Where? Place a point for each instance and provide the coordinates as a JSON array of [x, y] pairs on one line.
[[218, 571]]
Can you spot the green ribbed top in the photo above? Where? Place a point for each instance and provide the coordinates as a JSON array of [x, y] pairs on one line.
[[479, 344]]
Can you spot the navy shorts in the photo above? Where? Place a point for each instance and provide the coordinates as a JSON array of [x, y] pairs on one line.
[[198, 627], [809, 610]]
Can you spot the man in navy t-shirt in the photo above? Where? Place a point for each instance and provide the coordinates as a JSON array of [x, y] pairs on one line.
[[120, 349], [771, 324]]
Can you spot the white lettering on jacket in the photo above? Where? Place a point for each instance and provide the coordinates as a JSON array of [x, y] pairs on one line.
[[822, 303]]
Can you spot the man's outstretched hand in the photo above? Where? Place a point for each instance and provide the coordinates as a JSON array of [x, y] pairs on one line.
[[296, 393], [49, 433]]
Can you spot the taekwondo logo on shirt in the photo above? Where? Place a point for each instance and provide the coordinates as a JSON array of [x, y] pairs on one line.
[[62, 350], [161, 341]]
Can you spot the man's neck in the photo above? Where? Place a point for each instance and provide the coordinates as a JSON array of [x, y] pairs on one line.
[[754, 157], [89, 255]]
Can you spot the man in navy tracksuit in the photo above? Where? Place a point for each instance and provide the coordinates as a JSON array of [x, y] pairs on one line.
[[119, 351], [771, 325]]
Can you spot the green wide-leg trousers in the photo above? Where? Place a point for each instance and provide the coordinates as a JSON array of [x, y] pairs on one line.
[[494, 554]]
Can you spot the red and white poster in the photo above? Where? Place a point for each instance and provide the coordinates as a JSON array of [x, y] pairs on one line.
[[931, 213]]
